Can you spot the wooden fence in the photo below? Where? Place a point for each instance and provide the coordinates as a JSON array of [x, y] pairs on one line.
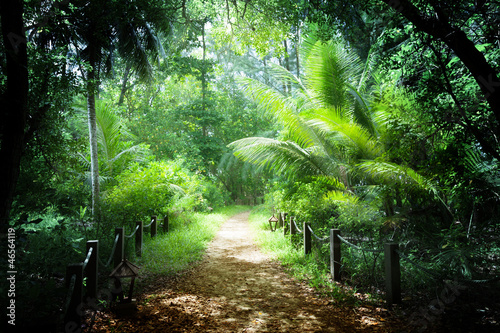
[[89, 269], [391, 257]]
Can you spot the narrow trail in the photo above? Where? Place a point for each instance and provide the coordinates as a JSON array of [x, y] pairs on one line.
[[238, 289]]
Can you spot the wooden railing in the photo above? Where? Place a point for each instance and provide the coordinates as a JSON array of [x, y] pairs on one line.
[[390, 250], [391, 257], [89, 269]]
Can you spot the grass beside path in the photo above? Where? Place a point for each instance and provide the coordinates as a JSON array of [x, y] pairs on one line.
[[170, 253]]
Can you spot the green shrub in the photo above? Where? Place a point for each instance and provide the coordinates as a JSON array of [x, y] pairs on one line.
[[151, 190], [305, 201]]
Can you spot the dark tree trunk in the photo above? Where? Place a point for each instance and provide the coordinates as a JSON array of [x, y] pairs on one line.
[[13, 104], [124, 84]]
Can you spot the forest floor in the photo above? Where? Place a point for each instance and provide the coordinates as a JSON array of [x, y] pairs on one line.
[[237, 288]]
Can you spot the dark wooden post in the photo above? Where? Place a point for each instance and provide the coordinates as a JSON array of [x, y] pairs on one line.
[[285, 223], [91, 271], [280, 220], [154, 228], [307, 238], [138, 238], [335, 257], [165, 224], [292, 226], [72, 317], [120, 247], [392, 274]]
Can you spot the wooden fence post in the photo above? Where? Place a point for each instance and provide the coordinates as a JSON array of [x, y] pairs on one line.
[[285, 223], [120, 246], [138, 238], [392, 274], [307, 238], [91, 271], [335, 257], [280, 220], [165, 223], [292, 227], [154, 229], [72, 317]]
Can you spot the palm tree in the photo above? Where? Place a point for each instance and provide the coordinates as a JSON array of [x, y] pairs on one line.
[[332, 124], [111, 139], [100, 27], [114, 149]]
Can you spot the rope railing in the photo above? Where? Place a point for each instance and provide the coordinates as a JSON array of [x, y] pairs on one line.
[[392, 257], [71, 289], [86, 261], [422, 268], [112, 253], [441, 276], [133, 233], [359, 247], [77, 274], [147, 226], [324, 239], [296, 227]]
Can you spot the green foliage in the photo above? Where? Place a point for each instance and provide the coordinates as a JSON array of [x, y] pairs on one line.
[[358, 218], [306, 201], [45, 244], [336, 125], [116, 149], [150, 190], [49, 242], [240, 28]]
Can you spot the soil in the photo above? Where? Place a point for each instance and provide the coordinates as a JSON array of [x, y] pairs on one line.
[[237, 288]]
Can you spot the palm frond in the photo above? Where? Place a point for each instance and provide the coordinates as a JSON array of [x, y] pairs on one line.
[[108, 130], [329, 68], [343, 131], [133, 49], [392, 173], [285, 157], [332, 182], [361, 110], [341, 196], [283, 109]]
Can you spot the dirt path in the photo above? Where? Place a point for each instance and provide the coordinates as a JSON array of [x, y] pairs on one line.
[[238, 289]]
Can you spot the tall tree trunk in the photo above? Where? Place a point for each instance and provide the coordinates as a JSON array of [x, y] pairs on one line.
[[124, 85], [287, 84], [92, 119], [13, 104], [297, 46], [266, 75], [203, 76]]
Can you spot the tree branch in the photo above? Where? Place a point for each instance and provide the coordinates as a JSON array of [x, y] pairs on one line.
[[440, 28]]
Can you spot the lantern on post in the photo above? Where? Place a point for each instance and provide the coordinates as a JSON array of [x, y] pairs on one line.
[[125, 269], [273, 222]]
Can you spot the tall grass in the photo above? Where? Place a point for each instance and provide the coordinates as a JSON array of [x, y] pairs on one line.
[[176, 250]]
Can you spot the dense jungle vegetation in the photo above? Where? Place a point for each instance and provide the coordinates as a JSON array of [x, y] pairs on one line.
[[380, 118]]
